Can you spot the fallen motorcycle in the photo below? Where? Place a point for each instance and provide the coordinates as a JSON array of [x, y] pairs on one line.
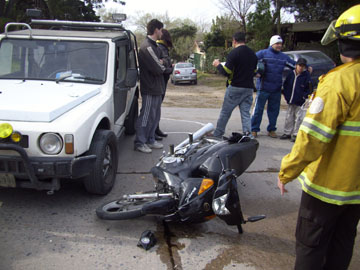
[[194, 182]]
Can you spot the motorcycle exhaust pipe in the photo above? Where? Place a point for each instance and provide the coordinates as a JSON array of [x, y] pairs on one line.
[[197, 135]]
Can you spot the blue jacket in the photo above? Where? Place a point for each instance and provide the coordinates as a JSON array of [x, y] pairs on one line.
[[275, 63], [297, 88]]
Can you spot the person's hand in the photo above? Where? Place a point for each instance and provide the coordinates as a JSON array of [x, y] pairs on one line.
[[216, 62], [257, 75], [281, 186]]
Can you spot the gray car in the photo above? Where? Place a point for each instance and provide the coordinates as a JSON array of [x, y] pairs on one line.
[[320, 62], [184, 72]]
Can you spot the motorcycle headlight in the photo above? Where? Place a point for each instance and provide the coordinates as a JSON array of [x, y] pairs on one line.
[[51, 143], [219, 205]]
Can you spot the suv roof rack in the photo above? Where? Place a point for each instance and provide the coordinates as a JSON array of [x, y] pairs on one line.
[[78, 24]]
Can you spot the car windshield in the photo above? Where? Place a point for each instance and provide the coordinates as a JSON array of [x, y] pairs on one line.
[[316, 58], [30, 59], [185, 65]]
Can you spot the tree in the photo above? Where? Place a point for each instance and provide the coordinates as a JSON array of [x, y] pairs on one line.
[[74, 10], [239, 9], [183, 38], [221, 32], [318, 10], [101, 3], [77, 10], [260, 25]]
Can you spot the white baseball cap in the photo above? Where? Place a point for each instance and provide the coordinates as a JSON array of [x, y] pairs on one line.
[[275, 39]]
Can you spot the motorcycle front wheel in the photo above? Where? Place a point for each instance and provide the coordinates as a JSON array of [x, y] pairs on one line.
[[122, 209]]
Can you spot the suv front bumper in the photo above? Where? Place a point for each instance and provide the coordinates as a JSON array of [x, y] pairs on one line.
[[30, 172]]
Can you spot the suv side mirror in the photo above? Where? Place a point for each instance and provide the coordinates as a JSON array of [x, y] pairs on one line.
[[131, 77]]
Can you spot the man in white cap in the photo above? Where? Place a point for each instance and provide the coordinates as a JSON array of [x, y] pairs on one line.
[[269, 85]]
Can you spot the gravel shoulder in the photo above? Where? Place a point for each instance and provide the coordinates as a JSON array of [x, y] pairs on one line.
[[208, 93]]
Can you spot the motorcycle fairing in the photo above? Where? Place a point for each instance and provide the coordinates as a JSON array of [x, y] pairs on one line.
[[194, 207], [229, 187], [239, 155]]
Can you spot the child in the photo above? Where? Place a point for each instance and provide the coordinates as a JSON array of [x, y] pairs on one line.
[[297, 86]]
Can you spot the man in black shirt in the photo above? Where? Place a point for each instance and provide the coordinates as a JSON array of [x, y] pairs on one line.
[[240, 68]]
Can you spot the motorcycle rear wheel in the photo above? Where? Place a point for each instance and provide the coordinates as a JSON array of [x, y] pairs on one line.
[[122, 209]]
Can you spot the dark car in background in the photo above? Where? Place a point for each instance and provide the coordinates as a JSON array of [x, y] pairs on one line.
[[320, 62], [184, 72]]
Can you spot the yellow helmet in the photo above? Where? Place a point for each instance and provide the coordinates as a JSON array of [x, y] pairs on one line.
[[347, 26]]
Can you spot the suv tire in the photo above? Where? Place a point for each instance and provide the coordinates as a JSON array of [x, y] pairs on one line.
[[101, 179]]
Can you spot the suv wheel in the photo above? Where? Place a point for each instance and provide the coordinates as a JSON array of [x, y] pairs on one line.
[[102, 178], [130, 121]]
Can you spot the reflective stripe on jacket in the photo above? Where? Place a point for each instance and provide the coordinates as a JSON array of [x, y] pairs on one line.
[[326, 154]]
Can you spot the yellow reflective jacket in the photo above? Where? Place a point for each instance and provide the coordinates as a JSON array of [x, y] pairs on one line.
[[326, 155]]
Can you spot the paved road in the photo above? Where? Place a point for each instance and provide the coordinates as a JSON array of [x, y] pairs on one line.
[[61, 231]]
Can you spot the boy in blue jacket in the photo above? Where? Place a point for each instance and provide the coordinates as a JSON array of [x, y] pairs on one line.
[[296, 88]]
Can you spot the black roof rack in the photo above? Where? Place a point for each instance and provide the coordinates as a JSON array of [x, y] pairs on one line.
[[79, 25]]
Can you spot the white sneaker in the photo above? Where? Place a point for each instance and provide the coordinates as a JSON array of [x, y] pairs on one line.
[[143, 148], [155, 145]]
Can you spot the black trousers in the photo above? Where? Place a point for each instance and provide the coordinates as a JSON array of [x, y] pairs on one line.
[[325, 234]]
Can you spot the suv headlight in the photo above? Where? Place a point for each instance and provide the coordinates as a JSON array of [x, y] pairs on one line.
[[51, 143]]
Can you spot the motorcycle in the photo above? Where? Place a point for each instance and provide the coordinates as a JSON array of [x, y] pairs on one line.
[[194, 182]]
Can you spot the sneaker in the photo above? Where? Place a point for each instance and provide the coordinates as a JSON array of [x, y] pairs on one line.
[[158, 138], [254, 134], [155, 145], [248, 134], [293, 138], [272, 134], [285, 137], [143, 148]]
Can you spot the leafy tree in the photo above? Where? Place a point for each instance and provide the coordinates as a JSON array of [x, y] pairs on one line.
[[183, 47], [183, 31], [183, 38], [74, 10], [101, 3], [260, 25], [221, 32], [77, 10], [318, 10]]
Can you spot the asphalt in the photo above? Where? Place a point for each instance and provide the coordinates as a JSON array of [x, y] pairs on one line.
[[61, 231]]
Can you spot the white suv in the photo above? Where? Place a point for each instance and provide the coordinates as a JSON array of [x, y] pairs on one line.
[[66, 95]]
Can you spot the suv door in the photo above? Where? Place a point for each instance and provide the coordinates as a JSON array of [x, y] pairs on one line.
[[120, 90]]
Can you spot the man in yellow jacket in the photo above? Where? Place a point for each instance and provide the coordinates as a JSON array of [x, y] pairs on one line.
[[326, 158]]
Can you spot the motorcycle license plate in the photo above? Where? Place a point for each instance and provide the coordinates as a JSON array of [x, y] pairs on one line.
[[7, 180]]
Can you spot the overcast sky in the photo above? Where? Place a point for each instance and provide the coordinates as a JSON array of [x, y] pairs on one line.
[[196, 10]]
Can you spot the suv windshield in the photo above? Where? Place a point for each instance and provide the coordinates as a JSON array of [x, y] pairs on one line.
[[53, 60]]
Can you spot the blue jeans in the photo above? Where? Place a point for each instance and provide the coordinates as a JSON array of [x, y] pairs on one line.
[[235, 96], [273, 108]]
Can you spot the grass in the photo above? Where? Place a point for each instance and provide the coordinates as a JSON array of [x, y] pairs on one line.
[[211, 80]]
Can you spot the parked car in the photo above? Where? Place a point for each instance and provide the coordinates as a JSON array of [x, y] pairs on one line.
[[319, 61], [184, 72], [67, 96]]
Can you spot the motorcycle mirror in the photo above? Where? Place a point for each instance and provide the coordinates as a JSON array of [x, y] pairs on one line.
[[191, 138], [171, 149], [255, 218], [147, 240]]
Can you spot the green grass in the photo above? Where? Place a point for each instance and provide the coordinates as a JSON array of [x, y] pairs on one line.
[[211, 80]]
